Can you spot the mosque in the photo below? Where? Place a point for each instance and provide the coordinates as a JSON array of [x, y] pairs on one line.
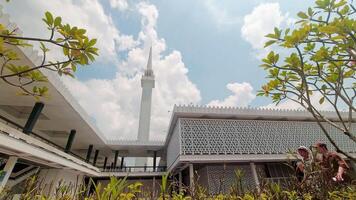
[[204, 145]]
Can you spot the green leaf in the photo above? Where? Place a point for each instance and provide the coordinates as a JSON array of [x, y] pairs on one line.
[[277, 32], [270, 57], [57, 21], [34, 89], [321, 100], [349, 73], [270, 42], [91, 57], [345, 10], [74, 67], [92, 42], [43, 47], [66, 49], [272, 35], [81, 31], [49, 18], [341, 3], [329, 29], [310, 12], [302, 15]]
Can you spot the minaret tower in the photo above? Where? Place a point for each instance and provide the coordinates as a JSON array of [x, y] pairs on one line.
[[147, 84]]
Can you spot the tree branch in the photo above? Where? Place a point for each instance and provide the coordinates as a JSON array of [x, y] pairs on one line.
[[35, 68], [40, 40]]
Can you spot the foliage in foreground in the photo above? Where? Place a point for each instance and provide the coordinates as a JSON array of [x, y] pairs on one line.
[[121, 189], [316, 65], [72, 46]]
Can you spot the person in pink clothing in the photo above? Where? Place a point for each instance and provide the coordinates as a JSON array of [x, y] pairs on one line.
[[331, 162]]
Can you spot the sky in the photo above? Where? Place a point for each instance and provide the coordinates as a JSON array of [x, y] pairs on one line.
[[205, 52]]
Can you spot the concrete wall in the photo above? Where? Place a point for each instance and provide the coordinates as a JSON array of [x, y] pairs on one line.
[[51, 179], [219, 178]]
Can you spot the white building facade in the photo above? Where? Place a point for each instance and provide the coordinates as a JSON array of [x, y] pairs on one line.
[[214, 142]]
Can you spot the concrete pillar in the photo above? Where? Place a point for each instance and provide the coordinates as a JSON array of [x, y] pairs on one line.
[[32, 119], [122, 162], [90, 149], [254, 174], [70, 140], [105, 162], [95, 157], [10, 164], [115, 159], [191, 177], [180, 184], [154, 160]]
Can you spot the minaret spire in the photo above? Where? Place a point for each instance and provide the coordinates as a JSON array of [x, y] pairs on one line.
[[147, 84], [149, 63], [149, 71]]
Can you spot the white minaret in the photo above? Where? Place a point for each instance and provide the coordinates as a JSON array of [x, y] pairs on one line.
[[147, 84]]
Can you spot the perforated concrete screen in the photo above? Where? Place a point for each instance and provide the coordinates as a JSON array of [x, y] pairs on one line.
[[221, 136]]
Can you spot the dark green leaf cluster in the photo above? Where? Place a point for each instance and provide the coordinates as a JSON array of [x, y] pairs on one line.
[[76, 46]]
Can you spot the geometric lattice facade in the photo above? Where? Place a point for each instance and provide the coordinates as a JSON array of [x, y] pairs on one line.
[[217, 141], [221, 136], [226, 136]]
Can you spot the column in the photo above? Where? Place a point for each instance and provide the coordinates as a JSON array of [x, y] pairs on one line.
[[254, 174], [105, 162], [115, 158], [10, 164], [70, 140], [32, 119], [122, 162], [95, 157], [180, 180], [90, 149], [154, 160], [191, 177]]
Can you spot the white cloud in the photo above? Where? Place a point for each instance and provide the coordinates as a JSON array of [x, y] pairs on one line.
[[242, 96], [260, 22], [119, 98], [88, 14], [119, 4], [220, 15]]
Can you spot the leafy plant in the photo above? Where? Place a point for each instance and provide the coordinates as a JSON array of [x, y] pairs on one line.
[[318, 61], [119, 189], [113, 190], [164, 186], [237, 188], [76, 47]]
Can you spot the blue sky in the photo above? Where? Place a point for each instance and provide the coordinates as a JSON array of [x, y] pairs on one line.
[[204, 52], [214, 51]]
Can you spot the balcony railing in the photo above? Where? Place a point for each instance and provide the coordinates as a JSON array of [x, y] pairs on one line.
[[37, 136], [135, 169]]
